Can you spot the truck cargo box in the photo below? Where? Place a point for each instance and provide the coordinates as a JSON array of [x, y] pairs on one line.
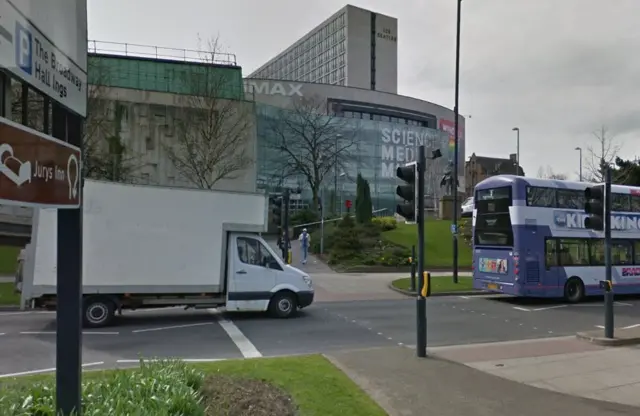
[[148, 239]]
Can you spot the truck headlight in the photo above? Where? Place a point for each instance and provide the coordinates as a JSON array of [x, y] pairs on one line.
[[307, 280]]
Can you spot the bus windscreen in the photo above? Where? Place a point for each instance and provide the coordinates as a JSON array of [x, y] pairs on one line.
[[493, 223]]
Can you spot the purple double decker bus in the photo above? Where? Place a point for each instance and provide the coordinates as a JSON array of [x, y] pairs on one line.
[[529, 239]]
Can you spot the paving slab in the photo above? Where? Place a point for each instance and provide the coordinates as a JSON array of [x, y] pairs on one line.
[[406, 385], [565, 365]]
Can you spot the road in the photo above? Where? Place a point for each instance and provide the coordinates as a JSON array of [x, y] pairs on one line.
[[27, 342]]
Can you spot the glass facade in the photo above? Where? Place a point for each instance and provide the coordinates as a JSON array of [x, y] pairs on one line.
[[379, 147]]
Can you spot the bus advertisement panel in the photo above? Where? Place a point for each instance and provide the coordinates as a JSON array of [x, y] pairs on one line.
[[529, 239]]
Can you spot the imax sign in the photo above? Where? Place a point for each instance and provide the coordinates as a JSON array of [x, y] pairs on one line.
[[286, 89], [619, 222]]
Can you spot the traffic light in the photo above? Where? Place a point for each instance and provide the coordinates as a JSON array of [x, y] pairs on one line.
[[276, 210], [594, 207], [407, 192]]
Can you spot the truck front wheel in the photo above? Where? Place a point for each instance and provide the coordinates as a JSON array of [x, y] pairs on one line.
[[98, 312], [283, 305]]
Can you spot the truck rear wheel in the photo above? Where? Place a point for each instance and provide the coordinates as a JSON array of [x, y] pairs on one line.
[[283, 305], [98, 312]]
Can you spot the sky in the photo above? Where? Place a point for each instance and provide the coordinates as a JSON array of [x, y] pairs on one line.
[[557, 69]]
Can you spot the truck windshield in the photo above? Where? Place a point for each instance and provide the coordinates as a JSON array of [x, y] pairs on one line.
[[493, 222]]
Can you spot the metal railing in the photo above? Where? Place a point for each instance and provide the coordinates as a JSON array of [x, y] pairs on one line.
[[160, 52], [377, 211]]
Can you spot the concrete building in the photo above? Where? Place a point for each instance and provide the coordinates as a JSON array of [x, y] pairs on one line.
[[158, 105], [354, 48]]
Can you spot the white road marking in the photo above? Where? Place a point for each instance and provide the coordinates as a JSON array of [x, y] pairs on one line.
[[2, 333], [164, 328], [521, 309], [623, 304], [463, 297], [599, 326], [44, 370], [550, 307], [245, 346], [631, 326], [25, 313]]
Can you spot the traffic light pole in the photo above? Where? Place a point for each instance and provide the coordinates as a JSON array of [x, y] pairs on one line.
[[421, 301], [455, 147], [285, 225], [608, 294]]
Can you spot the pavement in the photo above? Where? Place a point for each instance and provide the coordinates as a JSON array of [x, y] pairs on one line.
[[566, 365], [7, 279], [405, 385]]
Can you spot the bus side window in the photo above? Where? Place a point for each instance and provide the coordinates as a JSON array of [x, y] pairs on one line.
[[621, 253], [596, 248], [573, 252], [550, 253], [637, 252]]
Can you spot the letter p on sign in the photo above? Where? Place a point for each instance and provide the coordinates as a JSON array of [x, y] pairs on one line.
[[24, 49]]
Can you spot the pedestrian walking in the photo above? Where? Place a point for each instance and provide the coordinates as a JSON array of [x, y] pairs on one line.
[[305, 240]]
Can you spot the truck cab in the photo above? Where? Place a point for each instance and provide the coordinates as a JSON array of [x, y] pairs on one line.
[[258, 279]]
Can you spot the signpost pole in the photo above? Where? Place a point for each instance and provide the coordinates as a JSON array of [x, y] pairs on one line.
[[608, 294], [67, 126], [421, 301]]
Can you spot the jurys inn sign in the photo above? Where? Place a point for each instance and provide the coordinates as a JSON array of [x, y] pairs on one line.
[[286, 89]]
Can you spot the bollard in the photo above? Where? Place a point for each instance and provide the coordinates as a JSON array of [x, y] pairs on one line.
[[413, 268]]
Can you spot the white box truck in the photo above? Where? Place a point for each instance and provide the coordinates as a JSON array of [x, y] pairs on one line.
[[151, 246]]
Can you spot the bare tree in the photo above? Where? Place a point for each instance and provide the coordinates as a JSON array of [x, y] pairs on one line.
[[33, 109], [213, 124], [104, 154], [312, 144], [548, 173], [601, 155]]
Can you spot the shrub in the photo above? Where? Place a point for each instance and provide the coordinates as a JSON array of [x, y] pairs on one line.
[[363, 201], [304, 216], [386, 223], [163, 388], [465, 231]]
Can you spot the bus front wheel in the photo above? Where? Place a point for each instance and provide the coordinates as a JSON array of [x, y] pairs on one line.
[[574, 290]]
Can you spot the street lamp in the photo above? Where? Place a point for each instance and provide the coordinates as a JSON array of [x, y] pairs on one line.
[[335, 170], [579, 149], [517, 130], [342, 176]]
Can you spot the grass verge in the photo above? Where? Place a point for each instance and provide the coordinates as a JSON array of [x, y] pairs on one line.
[[8, 260], [288, 386], [439, 284], [8, 297], [438, 243]]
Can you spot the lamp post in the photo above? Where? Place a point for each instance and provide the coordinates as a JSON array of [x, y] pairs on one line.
[[456, 116], [335, 171], [341, 202], [579, 149], [517, 130]]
